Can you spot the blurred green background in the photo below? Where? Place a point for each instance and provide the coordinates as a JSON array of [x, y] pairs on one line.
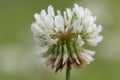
[[17, 47]]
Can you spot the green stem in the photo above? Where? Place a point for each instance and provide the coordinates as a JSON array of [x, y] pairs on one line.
[[68, 71]]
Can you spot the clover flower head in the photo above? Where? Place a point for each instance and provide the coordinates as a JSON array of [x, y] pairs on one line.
[[63, 35]]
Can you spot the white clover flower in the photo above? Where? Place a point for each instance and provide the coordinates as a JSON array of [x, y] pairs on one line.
[[64, 34]]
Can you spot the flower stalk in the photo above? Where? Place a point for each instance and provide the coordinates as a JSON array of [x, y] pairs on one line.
[[68, 71]]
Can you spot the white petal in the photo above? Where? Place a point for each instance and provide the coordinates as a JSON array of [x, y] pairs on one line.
[[37, 16], [90, 20], [87, 12], [51, 10], [89, 52], [94, 31], [69, 13], [43, 14], [40, 41], [58, 12], [36, 29], [75, 57], [38, 19], [59, 23], [93, 19], [89, 58], [76, 26], [42, 52], [91, 29], [65, 57], [99, 29], [57, 60], [94, 42], [50, 23], [50, 41], [65, 17], [80, 41], [76, 9], [86, 57], [79, 11], [76, 23], [54, 41], [99, 39], [76, 6], [48, 38]]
